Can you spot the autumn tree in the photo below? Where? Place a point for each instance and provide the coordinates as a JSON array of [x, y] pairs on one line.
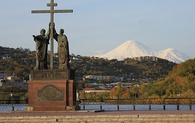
[[117, 92]]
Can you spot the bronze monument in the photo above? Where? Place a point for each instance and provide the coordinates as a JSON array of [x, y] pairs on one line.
[[52, 11], [52, 89]]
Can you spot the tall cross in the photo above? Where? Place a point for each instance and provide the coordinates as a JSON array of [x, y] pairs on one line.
[[52, 11]]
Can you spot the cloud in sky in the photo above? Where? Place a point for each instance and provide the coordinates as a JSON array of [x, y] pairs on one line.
[[99, 25]]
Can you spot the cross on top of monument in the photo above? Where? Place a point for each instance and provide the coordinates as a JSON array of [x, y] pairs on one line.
[[52, 11]]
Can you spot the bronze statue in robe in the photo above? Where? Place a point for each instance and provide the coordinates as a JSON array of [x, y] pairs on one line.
[[63, 49], [42, 42]]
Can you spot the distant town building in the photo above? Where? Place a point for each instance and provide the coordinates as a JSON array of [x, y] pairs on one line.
[[145, 58], [92, 90], [6, 57], [23, 85], [1, 82], [104, 78], [2, 74], [11, 78]]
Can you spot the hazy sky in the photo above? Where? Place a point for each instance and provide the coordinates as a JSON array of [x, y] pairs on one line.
[[98, 26]]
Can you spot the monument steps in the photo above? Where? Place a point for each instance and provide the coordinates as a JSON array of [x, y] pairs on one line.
[[101, 118]]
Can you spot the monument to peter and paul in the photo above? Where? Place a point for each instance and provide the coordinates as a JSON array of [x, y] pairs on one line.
[[51, 89]]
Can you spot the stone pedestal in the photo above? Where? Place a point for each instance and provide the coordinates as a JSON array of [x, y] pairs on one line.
[[51, 90]]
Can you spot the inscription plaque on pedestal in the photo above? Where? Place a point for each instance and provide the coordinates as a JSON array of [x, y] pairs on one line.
[[50, 74], [50, 93]]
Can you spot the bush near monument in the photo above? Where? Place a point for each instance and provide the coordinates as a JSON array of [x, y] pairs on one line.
[[17, 92]]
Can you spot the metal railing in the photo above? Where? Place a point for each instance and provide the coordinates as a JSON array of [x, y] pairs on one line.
[[2, 102], [134, 102], [118, 102]]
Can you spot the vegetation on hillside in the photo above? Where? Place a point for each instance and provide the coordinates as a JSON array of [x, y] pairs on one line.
[[20, 63], [128, 68], [23, 61], [168, 79], [179, 83], [17, 92]]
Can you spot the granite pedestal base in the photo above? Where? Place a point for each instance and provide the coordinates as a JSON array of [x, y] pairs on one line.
[[50, 91]]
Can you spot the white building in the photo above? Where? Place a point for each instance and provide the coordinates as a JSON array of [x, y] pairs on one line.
[[1, 82], [7, 57], [10, 78], [106, 78]]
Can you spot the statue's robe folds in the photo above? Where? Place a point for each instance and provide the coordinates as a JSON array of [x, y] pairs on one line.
[[63, 50], [41, 51]]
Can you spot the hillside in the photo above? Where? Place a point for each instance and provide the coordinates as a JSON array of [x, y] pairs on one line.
[[22, 61], [179, 83], [17, 61], [130, 69]]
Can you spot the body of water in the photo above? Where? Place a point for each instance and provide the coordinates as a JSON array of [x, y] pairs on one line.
[[21, 107], [8, 107]]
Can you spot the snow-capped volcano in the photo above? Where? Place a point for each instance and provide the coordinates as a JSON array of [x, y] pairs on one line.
[[173, 55], [131, 49]]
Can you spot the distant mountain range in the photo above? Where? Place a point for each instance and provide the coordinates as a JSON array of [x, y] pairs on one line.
[[131, 49]]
